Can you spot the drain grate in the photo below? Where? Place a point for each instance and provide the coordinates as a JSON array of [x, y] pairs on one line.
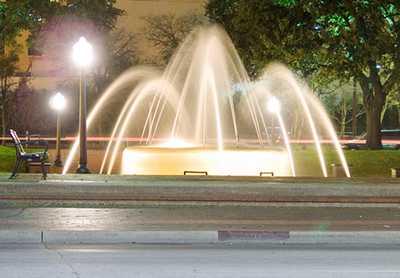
[[195, 173], [264, 174]]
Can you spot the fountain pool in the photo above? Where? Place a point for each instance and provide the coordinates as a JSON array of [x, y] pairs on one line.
[[229, 162]]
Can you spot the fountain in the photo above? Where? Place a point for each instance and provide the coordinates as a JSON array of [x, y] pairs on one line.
[[204, 114]]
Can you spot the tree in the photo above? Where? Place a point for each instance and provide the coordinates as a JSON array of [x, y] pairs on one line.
[[31, 107], [167, 31], [92, 19], [115, 49], [16, 16], [348, 39], [7, 69], [118, 53], [392, 102], [103, 13], [339, 101], [53, 26]]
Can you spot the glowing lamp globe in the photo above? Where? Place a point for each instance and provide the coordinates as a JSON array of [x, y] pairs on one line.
[[57, 102], [274, 105], [82, 53]]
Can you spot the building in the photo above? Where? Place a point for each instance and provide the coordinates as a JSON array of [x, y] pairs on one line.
[[43, 71]]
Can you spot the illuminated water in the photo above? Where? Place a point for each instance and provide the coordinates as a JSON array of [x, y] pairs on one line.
[[229, 162], [205, 101]]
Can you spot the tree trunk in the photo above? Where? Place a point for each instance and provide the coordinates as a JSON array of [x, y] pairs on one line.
[[398, 116], [343, 114], [374, 98], [374, 138], [374, 102], [3, 125], [3, 111], [384, 109], [354, 111]]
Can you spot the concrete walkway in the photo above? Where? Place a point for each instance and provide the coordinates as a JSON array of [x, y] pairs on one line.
[[273, 217], [114, 189]]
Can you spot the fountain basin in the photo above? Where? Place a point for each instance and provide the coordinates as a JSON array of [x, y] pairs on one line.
[[228, 162]]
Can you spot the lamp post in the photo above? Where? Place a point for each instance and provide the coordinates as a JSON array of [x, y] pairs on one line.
[[83, 57], [57, 103]]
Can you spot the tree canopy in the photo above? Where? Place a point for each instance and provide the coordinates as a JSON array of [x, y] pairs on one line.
[[52, 27], [346, 39], [16, 16], [167, 31]]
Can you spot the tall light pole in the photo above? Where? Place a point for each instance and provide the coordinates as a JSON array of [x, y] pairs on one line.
[[83, 57], [57, 103]]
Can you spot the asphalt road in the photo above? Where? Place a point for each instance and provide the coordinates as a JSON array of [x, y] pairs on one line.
[[197, 261], [273, 217]]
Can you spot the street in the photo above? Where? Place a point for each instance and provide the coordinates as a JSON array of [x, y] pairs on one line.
[[86, 261], [287, 258]]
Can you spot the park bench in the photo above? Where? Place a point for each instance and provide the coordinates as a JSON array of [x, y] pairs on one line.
[[32, 159]]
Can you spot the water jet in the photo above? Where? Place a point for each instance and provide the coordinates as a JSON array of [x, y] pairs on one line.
[[204, 113]]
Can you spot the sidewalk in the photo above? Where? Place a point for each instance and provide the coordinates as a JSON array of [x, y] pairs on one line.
[[279, 223], [112, 189]]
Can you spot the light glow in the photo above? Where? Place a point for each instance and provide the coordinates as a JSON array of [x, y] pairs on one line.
[[229, 162], [274, 105], [57, 102], [82, 53], [175, 143]]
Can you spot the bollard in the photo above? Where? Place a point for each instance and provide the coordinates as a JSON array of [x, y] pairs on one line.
[[395, 172]]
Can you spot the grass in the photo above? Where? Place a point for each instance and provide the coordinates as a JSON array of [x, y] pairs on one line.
[[364, 163], [7, 158]]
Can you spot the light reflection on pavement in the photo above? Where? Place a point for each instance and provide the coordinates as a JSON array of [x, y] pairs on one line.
[[169, 217]]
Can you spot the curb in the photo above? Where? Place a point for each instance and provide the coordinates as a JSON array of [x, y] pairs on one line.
[[106, 237], [20, 236], [199, 237]]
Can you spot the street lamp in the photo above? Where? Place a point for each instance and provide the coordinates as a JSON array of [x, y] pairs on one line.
[[83, 56], [57, 103]]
